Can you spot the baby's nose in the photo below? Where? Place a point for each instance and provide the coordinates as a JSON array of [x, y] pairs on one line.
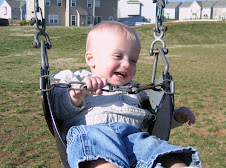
[[126, 63]]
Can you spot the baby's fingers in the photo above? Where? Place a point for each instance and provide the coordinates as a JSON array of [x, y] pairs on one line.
[[98, 92], [95, 84], [192, 120], [100, 83]]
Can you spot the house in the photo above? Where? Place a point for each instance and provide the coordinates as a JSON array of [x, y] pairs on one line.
[[219, 10], [207, 9], [189, 10], [171, 10], [75, 12], [133, 12], [202, 10], [13, 10]]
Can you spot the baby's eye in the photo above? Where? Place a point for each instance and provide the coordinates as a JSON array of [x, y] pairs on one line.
[[118, 56], [133, 61]]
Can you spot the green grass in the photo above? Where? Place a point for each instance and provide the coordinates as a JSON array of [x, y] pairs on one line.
[[197, 62]]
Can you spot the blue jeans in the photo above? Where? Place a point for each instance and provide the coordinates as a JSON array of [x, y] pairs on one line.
[[123, 145]]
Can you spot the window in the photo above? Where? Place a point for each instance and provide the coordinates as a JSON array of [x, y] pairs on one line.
[[89, 20], [59, 2], [53, 19], [47, 2], [89, 3], [97, 19], [73, 3], [73, 20], [5, 10], [167, 15], [97, 3], [110, 18]]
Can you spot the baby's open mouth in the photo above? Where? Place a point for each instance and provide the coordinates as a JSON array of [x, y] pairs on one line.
[[120, 74]]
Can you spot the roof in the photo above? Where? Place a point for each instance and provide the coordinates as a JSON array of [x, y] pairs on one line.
[[82, 11], [220, 4], [173, 4], [206, 4], [186, 4], [16, 4]]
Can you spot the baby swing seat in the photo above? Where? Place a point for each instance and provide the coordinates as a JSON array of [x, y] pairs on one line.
[[161, 105], [161, 97]]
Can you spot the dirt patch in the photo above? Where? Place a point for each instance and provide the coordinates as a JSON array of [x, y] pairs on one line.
[[15, 29], [22, 35], [199, 131], [23, 54], [196, 45], [221, 132]]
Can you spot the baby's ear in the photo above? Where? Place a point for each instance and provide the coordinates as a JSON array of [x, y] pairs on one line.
[[90, 59]]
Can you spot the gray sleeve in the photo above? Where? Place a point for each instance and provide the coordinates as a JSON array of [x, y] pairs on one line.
[[63, 107], [175, 123], [142, 96], [67, 76]]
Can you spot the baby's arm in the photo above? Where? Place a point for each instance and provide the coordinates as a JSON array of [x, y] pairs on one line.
[[94, 86], [183, 115]]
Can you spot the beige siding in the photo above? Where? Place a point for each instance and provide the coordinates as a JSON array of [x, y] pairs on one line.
[[30, 9], [106, 9], [5, 10], [191, 12], [81, 12], [207, 13], [59, 11], [219, 13]]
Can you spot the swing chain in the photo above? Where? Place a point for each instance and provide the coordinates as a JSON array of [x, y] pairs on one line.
[[159, 29], [131, 89], [40, 26]]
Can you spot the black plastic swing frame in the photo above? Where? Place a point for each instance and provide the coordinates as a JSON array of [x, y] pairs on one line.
[[160, 127], [48, 106]]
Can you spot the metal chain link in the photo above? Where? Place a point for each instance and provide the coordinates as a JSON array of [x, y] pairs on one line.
[[40, 26], [132, 89], [159, 29]]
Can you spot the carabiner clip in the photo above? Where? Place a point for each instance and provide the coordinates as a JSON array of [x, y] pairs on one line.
[[171, 87]]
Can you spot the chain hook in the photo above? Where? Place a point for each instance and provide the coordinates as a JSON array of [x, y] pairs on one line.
[[159, 29], [40, 26]]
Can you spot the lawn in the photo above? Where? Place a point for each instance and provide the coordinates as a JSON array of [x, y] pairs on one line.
[[197, 63]]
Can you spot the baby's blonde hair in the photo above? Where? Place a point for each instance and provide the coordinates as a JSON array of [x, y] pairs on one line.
[[112, 26]]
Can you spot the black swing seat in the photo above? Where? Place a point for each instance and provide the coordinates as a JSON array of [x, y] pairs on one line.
[[161, 103]]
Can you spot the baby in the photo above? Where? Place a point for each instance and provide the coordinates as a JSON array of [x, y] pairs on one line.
[[104, 129]]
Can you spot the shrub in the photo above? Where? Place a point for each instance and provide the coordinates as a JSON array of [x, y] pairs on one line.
[[25, 23]]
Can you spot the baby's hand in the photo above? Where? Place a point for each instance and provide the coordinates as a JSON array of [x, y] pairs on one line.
[[94, 85], [184, 114]]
